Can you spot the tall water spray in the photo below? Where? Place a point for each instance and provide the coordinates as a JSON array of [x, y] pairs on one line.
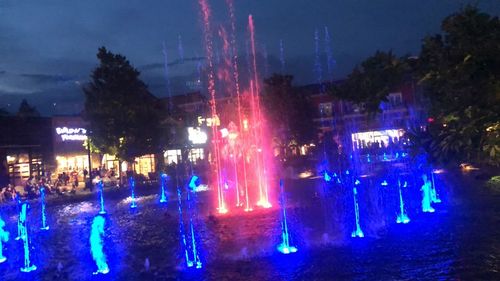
[[167, 78], [284, 247], [44, 217], [4, 237], [28, 265], [237, 89], [97, 245], [318, 71], [258, 122], [402, 216], [100, 187], [434, 194], [180, 48], [329, 55], [182, 233], [357, 231], [282, 57], [207, 32], [188, 238], [131, 182]]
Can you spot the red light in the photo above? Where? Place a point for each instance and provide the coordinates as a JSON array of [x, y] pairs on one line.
[[430, 119]]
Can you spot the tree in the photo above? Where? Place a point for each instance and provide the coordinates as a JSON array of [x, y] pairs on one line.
[[26, 110], [371, 83], [125, 118], [290, 112], [460, 71]]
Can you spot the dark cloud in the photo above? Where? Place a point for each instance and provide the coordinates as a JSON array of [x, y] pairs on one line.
[[50, 46]]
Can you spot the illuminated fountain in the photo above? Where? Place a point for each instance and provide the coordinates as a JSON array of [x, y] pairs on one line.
[[434, 194], [100, 186], [44, 218], [97, 245], [190, 250], [426, 190], [28, 266], [163, 180], [357, 231], [239, 150], [284, 247], [133, 203], [4, 237], [402, 216]]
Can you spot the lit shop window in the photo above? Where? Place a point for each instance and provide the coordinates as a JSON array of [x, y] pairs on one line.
[[172, 156], [196, 154]]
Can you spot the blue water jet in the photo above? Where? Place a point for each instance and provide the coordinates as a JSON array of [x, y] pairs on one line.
[[194, 183], [426, 190], [163, 196], [18, 207], [434, 195], [284, 247], [97, 245], [4, 237], [357, 232], [190, 250], [326, 177], [282, 57], [44, 217], [402, 216], [100, 186], [28, 266], [133, 203], [182, 233]]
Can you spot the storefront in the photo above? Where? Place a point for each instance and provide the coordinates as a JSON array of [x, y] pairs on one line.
[[195, 152], [70, 151], [25, 148]]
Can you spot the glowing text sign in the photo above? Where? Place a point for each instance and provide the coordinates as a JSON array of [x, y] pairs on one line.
[[72, 134]]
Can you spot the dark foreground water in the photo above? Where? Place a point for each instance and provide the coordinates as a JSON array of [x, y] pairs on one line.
[[461, 241]]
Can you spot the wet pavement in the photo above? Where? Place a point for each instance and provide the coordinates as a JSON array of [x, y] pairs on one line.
[[460, 241]]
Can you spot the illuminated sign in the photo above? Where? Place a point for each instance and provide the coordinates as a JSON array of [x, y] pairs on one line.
[[71, 134], [197, 136], [210, 121]]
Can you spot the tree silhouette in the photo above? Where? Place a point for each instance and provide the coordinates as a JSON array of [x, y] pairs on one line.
[[26, 110], [125, 118]]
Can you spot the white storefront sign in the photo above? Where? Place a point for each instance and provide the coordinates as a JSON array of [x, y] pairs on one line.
[[71, 134]]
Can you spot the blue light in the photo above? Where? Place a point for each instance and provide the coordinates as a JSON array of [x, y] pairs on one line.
[[100, 185], [402, 216], [189, 263], [284, 247], [97, 245], [357, 231], [163, 196], [357, 182], [434, 195], [28, 266], [44, 218], [193, 183], [384, 183], [4, 237], [190, 249], [327, 177], [133, 203], [426, 190]]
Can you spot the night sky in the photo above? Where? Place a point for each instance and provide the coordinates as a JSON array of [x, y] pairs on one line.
[[47, 48]]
